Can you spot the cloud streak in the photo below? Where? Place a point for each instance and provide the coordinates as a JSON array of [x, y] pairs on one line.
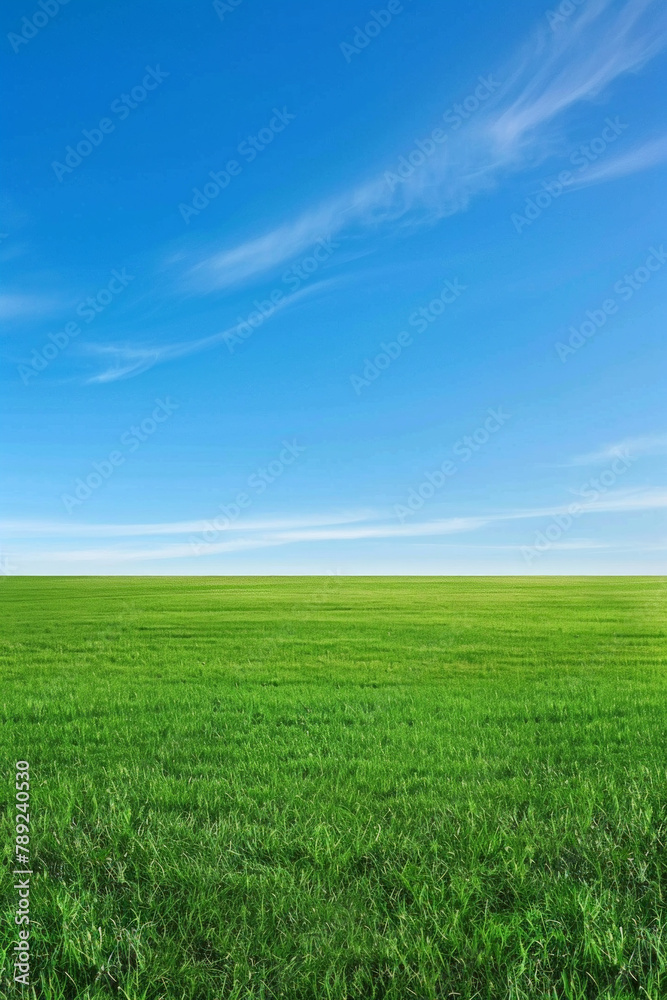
[[554, 72], [578, 62], [655, 444], [514, 130], [129, 359], [649, 154], [17, 306], [69, 529], [354, 526]]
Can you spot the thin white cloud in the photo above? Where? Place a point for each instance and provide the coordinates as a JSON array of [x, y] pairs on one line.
[[268, 540], [15, 306], [632, 447], [614, 501], [129, 359], [72, 529], [234, 266], [259, 535], [126, 360], [579, 544], [514, 130], [644, 157], [554, 72], [578, 62]]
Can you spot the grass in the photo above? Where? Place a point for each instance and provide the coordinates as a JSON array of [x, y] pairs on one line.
[[339, 788]]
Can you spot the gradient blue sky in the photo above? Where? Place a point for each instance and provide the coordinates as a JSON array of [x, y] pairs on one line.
[[515, 259]]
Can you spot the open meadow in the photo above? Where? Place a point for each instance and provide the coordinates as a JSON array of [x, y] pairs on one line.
[[339, 788]]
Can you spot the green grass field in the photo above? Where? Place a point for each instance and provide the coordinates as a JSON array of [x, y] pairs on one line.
[[339, 787]]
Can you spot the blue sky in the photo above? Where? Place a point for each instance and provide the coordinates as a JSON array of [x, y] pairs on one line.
[[334, 288]]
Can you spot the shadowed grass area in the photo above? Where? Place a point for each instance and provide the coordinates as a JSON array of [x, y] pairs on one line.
[[339, 787]]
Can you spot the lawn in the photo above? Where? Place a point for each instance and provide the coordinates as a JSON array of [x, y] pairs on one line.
[[339, 788]]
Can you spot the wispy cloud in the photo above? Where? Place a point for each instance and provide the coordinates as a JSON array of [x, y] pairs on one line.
[[353, 526], [28, 528], [124, 360], [559, 69], [548, 77], [255, 257], [18, 306], [514, 130], [127, 360], [649, 154], [579, 544], [634, 447]]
